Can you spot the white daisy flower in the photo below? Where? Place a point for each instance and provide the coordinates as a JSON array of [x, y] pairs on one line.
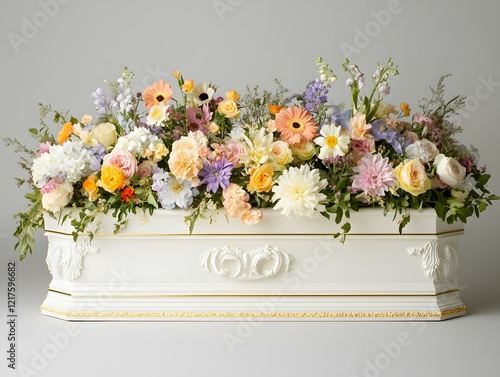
[[332, 141]]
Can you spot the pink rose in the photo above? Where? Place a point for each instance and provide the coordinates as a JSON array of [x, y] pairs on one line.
[[122, 159], [145, 169]]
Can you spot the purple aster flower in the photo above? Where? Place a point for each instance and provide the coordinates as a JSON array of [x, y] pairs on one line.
[[216, 174]]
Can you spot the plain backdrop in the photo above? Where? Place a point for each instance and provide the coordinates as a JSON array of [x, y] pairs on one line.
[[58, 51]]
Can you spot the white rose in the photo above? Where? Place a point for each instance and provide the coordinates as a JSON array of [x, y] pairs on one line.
[[58, 198], [105, 134], [430, 148], [449, 170]]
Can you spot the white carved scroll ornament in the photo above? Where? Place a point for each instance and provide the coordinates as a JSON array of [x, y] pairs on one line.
[[234, 263], [438, 263], [66, 259]]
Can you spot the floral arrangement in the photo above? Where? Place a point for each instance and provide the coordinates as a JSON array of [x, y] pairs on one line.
[[300, 154]]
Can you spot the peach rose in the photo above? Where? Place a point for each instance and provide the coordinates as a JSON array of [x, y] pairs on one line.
[[412, 177], [261, 178], [122, 159]]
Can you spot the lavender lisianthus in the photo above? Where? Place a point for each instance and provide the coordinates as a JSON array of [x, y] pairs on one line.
[[381, 131]]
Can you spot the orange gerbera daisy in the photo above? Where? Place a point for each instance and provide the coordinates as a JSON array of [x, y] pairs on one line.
[[296, 125], [159, 92]]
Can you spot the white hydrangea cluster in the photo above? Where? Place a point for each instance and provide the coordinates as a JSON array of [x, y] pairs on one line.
[[70, 161], [140, 141]]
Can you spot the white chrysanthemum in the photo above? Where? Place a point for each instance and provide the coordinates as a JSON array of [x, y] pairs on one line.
[[70, 161], [332, 141], [258, 148], [298, 192], [138, 141]]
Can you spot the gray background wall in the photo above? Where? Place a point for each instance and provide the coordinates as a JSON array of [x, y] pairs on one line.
[[58, 51]]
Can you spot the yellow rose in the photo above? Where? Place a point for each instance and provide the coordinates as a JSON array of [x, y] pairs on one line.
[[261, 178], [412, 177], [304, 151], [176, 74], [112, 178], [228, 108], [233, 95]]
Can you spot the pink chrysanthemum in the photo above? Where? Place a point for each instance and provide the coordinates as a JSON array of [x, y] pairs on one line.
[[373, 175]]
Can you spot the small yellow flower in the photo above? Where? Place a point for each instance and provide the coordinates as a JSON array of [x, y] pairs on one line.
[[405, 107], [233, 95], [65, 133], [188, 85], [176, 74]]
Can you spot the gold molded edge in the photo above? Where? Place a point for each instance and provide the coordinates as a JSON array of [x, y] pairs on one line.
[[296, 315]]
